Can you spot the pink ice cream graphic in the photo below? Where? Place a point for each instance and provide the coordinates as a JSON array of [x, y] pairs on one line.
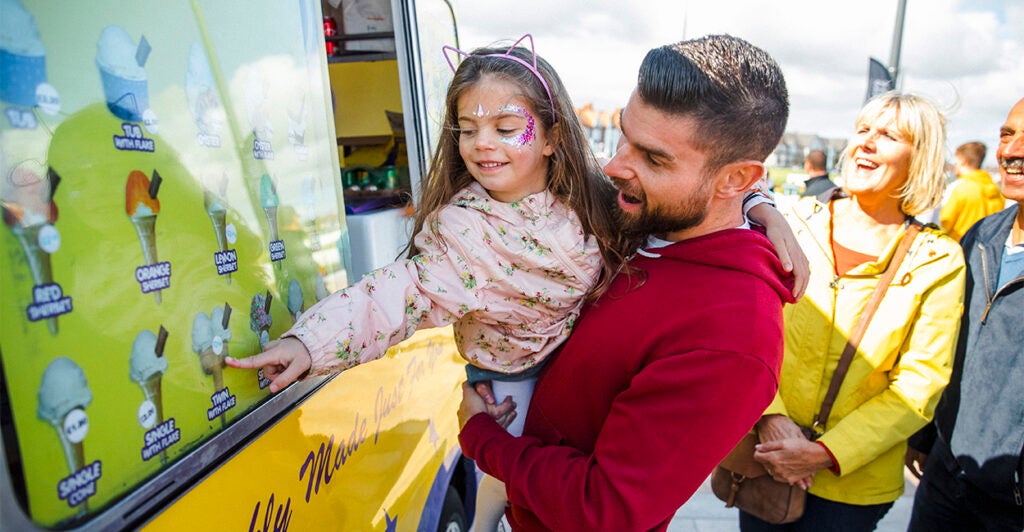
[[29, 210]]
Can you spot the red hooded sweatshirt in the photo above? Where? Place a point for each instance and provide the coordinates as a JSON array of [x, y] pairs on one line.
[[661, 378]]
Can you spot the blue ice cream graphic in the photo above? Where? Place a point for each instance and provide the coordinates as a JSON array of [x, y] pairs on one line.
[[120, 62], [22, 55]]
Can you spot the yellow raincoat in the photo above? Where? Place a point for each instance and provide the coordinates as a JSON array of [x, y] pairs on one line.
[[901, 366]]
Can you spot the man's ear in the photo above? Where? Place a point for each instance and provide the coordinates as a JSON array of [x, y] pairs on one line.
[[737, 177]]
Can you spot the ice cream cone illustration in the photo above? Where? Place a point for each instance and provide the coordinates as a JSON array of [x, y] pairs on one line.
[[218, 215], [28, 209], [295, 299], [63, 396], [269, 200], [210, 336], [259, 317], [319, 288], [148, 366], [201, 90], [142, 207], [256, 106]]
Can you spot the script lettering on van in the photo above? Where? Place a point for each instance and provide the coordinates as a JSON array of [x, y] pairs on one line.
[[321, 464], [275, 518]]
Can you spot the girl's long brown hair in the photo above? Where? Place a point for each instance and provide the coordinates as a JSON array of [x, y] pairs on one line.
[[574, 176]]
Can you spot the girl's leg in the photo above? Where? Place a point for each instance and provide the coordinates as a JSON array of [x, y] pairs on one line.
[[490, 495], [521, 392]]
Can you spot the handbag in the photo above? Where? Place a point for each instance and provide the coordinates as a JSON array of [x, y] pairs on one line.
[[741, 481]]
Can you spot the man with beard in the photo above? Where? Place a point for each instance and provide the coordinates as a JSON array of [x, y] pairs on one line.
[[677, 360], [972, 474]]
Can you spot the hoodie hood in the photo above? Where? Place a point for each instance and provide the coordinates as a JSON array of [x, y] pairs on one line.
[[743, 250]]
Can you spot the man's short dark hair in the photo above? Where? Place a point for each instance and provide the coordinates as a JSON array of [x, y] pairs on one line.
[[816, 160], [734, 90]]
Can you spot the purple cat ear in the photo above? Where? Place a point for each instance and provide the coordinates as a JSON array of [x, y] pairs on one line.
[[508, 55], [533, 51], [445, 49]]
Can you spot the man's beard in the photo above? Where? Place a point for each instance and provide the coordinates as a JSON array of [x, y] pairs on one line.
[[662, 219]]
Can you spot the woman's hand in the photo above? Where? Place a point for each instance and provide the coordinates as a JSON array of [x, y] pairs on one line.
[[779, 429], [793, 461], [774, 427], [283, 361]]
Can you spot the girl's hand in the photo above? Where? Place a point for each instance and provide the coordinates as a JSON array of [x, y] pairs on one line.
[[283, 361], [786, 246]]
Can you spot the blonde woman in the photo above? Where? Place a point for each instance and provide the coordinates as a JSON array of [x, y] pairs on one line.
[[853, 469]]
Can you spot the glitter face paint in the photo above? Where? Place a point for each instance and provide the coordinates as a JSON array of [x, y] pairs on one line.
[[480, 111], [526, 137]]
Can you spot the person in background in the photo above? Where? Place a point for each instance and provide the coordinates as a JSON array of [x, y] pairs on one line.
[[973, 195], [818, 182], [852, 468], [673, 364], [972, 454]]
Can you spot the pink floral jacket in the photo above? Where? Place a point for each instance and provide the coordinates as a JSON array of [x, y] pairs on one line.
[[510, 276]]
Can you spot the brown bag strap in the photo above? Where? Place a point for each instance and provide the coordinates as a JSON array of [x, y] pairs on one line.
[[862, 324]]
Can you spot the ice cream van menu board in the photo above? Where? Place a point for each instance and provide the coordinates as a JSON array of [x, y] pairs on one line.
[[167, 181]]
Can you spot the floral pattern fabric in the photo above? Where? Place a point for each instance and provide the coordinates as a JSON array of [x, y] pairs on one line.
[[511, 277]]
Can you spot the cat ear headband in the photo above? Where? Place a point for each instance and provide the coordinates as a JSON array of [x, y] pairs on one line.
[[508, 55]]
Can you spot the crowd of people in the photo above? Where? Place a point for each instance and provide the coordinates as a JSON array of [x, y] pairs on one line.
[[625, 327]]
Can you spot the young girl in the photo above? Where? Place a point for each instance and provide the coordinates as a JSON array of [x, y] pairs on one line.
[[514, 230]]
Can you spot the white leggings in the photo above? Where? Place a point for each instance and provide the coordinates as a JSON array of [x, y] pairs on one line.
[[490, 494]]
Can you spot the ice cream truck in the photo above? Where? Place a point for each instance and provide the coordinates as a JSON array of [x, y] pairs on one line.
[[180, 182]]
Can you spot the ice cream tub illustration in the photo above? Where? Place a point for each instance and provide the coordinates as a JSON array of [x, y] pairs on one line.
[[26, 198], [120, 62], [64, 395], [22, 55]]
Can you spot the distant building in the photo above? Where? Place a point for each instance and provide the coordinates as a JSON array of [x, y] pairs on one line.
[[794, 147]]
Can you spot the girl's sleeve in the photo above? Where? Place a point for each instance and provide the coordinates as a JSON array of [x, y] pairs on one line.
[[360, 323], [756, 196]]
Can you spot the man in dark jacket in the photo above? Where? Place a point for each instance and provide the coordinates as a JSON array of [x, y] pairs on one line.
[[815, 166], [972, 475]]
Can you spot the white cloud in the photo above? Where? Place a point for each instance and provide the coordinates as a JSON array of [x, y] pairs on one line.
[[964, 54]]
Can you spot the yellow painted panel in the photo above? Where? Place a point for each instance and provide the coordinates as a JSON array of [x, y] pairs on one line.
[[360, 454], [362, 92]]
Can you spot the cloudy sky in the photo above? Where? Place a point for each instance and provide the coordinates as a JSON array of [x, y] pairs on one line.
[[967, 55]]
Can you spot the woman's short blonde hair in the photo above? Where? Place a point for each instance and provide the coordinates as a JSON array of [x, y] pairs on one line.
[[924, 126]]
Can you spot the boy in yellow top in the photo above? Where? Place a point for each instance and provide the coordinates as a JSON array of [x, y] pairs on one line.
[[973, 195]]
